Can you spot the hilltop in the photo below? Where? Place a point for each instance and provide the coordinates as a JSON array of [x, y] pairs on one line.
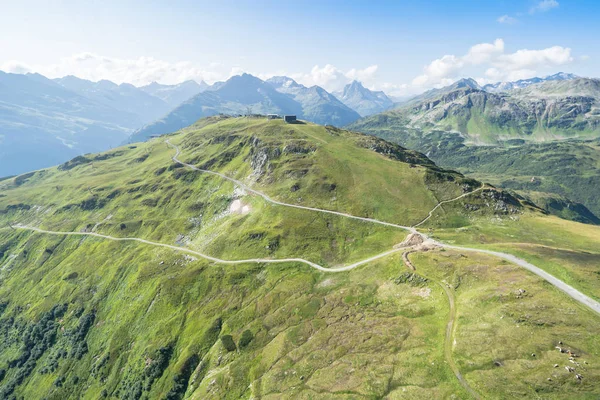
[[202, 267]]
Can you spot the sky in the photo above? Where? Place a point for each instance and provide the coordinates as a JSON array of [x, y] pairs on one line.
[[400, 47]]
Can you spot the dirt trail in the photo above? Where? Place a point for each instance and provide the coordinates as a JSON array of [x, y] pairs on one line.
[[449, 335], [279, 203], [449, 340], [447, 201]]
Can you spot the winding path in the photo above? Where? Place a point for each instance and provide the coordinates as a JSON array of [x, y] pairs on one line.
[[449, 335], [215, 259], [448, 201]]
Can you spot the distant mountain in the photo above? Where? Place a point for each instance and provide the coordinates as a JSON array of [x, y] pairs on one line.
[[318, 105], [546, 111], [460, 85], [43, 123], [124, 97], [364, 101], [48, 121], [523, 83], [246, 93], [238, 95], [174, 95], [523, 134]]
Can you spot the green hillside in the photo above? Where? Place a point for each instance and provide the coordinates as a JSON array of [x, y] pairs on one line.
[[106, 316], [548, 111], [569, 169]]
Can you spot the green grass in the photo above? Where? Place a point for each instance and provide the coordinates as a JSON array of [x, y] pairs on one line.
[[360, 325], [505, 340], [565, 249]]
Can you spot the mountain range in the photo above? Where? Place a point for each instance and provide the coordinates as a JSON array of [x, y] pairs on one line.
[[246, 94], [538, 138], [47, 121], [546, 111], [174, 95], [523, 83], [44, 121]]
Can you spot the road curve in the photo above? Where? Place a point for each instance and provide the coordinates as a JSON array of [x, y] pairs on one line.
[[214, 259], [569, 290]]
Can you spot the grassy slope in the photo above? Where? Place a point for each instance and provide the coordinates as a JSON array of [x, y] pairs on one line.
[[570, 169], [485, 118], [566, 249], [142, 305], [506, 340], [348, 335]]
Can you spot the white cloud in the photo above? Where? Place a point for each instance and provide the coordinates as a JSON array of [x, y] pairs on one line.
[[363, 75], [332, 78], [543, 6], [398, 90], [15, 67], [506, 19], [138, 71], [484, 52], [529, 59], [497, 64], [447, 68], [439, 69]]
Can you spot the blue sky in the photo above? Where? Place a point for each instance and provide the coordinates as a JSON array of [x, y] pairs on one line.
[[398, 46]]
